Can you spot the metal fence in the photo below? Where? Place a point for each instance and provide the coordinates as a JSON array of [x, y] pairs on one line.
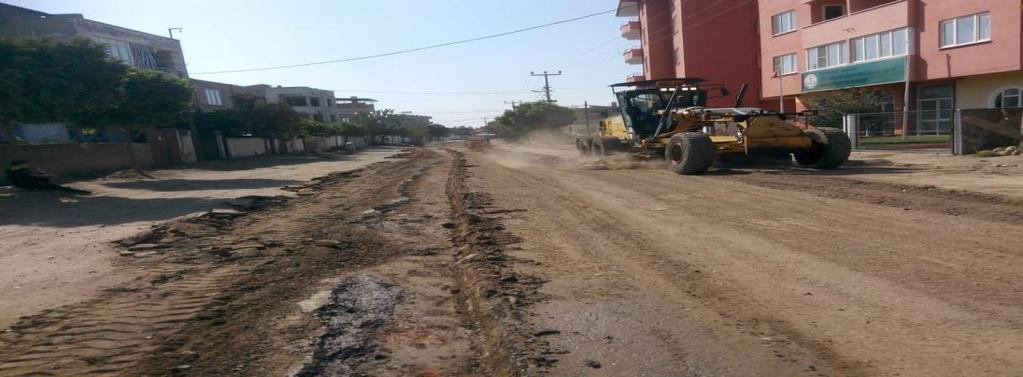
[[928, 129], [960, 131]]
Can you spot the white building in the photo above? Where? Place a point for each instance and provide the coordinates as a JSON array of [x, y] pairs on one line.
[[318, 104]]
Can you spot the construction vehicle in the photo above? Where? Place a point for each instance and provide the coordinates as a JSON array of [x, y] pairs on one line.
[[478, 141], [668, 119]]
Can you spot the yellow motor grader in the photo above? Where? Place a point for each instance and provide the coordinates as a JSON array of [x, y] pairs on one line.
[[669, 118]]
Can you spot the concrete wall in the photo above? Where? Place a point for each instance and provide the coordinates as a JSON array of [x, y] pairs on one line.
[[979, 92], [66, 159], [238, 147], [295, 145]]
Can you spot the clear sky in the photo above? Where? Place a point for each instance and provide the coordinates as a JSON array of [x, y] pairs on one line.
[[234, 34]]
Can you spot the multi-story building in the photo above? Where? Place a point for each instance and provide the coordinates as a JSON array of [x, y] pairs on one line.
[[131, 47], [349, 107], [217, 96], [714, 40], [318, 104], [950, 53]]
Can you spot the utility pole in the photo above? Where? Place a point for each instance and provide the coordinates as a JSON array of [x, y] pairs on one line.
[[546, 83], [513, 103], [170, 31]]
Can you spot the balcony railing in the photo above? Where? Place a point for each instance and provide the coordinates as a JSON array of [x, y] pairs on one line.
[[635, 77], [634, 56], [631, 30]]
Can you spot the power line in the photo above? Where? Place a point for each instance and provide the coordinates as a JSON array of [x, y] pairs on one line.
[[411, 49], [428, 93]]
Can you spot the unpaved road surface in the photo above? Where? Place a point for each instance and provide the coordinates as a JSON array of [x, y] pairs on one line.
[[54, 248], [528, 261]]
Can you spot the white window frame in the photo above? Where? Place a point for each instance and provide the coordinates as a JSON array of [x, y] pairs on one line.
[[889, 36], [213, 97], [791, 14], [1001, 92], [778, 68], [824, 11], [843, 56], [955, 30]]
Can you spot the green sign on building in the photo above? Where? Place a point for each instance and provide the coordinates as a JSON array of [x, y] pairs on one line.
[[860, 74]]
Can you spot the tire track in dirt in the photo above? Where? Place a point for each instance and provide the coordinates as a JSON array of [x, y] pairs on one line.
[[863, 285], [496, 298], [186, 286], [980, 206], [109, 332]]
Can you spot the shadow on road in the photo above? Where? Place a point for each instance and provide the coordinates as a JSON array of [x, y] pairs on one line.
[[60, 210], [205, 184]]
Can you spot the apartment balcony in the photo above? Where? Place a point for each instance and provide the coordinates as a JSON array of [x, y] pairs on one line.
[[634, 56], [631, 30], [635, 77], [628, 8], [862, 21]]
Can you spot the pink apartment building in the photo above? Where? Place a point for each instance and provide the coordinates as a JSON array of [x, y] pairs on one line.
[[954, 53]]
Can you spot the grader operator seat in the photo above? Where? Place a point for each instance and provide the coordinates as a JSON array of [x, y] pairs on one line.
[[644, 103]]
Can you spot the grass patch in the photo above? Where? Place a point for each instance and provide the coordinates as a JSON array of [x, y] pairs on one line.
[[921, 139]]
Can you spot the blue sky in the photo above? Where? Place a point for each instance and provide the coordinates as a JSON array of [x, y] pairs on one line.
[[226, 35]]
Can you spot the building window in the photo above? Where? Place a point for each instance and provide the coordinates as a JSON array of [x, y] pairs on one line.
[[296, 101], [213, 97], [785, 64], [825, 56], [1009, 98], [314, 101], [965, 30], [879, 46], [783, 22], [833, 11]]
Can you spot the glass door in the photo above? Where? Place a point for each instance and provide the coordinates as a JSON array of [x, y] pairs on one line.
[[934, 110]]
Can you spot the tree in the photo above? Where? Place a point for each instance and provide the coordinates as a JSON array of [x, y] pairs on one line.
[[833, 106], [45, 80], [314, 127], [151, 99], [530, 116], [275, 121], [438, 131]]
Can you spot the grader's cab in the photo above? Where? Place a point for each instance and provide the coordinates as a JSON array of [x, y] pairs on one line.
[[668, 118]]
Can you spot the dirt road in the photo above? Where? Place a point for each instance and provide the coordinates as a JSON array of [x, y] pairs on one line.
[[54, 249], [528, 261]]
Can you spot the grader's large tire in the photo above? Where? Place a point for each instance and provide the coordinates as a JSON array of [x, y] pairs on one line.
[[597, 147], [689, 153], [601, 146], [583, 146], [831, 149]]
